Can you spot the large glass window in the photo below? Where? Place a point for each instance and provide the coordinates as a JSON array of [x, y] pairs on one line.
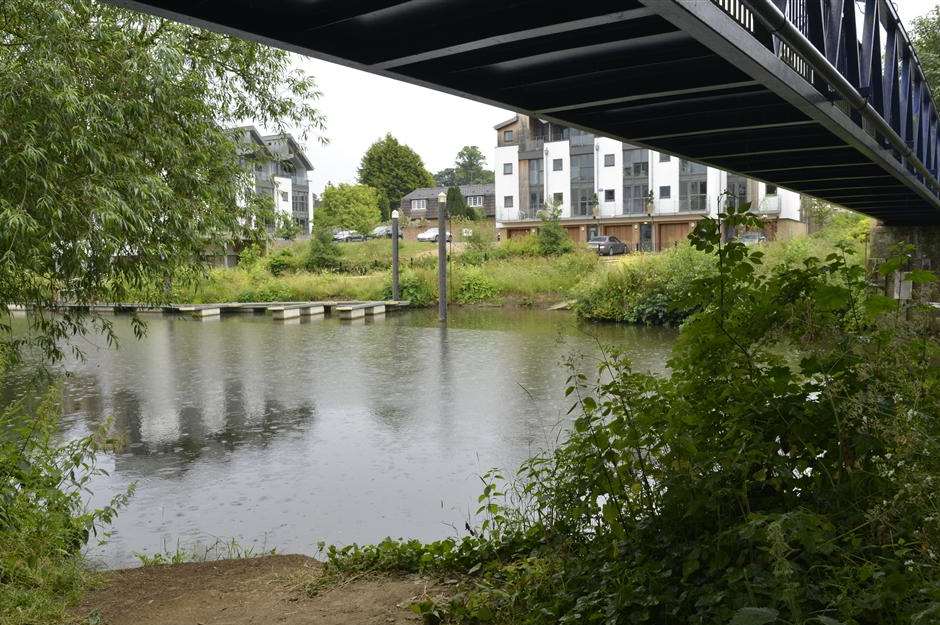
[[536, 171], [582, 184], [634, 199], [693, 195]]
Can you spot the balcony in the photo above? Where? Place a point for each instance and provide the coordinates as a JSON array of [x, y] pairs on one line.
[[770, 204]]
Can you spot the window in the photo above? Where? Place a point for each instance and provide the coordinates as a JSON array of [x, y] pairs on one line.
[[691, 169], [557, 164], [582, 168], [507, 168], [664, 158], [665, 193], [507, 135], [475, 201], [507, 201], [634, 198], [284, 196], [641, 169], [693, 195], [559, 199], [609, 195], [771, 189], [609, 160], [299, 203], [536, 167], [419, 205]]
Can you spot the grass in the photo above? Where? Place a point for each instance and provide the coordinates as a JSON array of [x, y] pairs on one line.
[[641, 288]]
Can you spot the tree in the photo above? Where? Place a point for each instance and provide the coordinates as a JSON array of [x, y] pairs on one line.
[[553, 239], [286, 227], [118, 166], [457, 205], [118, 171], [468, 168], [925, 35], [446, 177], [393, 169], [350, 207]]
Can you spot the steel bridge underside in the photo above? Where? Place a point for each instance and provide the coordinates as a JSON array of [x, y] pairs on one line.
[[685, 77]]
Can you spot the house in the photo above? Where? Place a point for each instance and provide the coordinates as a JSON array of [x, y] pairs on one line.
[[280, 169], [421, 204], [601, 186]]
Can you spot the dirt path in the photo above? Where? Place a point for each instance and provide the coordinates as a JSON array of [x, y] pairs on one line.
[[239, 592]]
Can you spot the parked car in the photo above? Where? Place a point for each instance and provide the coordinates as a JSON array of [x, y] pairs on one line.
[[752, 238], [608, 246], [385, 232], [345, 236], [431, 235]]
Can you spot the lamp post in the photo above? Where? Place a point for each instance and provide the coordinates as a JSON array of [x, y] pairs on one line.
[[396, 293], [649, 215], [442, 256]]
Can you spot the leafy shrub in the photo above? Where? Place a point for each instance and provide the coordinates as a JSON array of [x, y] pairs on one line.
[[415, 287], [474, 285], [323, 253], [647, 289], [280, 262], [784, 473], [43, 520], [553, 239]]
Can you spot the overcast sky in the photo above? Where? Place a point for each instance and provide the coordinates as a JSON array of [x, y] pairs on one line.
[[362, 107]]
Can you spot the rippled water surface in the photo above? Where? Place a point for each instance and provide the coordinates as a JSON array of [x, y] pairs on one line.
[[283, 434]]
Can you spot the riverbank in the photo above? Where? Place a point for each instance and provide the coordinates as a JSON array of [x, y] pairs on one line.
[[647, 289], [289, 589]]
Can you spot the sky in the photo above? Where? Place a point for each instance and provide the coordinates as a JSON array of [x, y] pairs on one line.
[[362, 107]]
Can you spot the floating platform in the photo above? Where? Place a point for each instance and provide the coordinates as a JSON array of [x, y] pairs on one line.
[[279, 311]]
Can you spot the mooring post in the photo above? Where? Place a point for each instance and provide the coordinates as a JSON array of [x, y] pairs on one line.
[[442, 256], [396, 295]]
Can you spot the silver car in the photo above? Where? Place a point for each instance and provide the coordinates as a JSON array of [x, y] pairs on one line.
[[607, 245]]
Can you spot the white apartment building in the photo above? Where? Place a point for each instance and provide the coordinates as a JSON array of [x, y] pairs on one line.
[[603, 187]]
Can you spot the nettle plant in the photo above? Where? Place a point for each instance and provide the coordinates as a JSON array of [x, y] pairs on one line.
[[785, 472]]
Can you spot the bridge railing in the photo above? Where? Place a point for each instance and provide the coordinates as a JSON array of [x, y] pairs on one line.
[[864, 61]]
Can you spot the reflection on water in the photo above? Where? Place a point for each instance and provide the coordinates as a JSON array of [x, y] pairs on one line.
[[322, 430]]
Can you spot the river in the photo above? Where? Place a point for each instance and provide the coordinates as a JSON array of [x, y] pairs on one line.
[[280, 435]]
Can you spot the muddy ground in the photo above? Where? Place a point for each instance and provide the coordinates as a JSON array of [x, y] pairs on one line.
[[275, 590]]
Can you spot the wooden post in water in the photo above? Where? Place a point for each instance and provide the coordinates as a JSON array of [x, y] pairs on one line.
[[396, 294], [442, 256]]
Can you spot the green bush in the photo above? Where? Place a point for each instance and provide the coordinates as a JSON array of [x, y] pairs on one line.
[[474, 285], [417, 287], [553, 239], [323, 253], [43, 520], [785, 471], [649, 289]]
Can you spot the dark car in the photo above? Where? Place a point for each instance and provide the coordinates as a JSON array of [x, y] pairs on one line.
[[608, 246]]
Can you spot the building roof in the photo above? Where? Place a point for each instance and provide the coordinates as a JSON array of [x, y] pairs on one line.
[[466, 190], [296, 149], [250, 140], [513, 120]]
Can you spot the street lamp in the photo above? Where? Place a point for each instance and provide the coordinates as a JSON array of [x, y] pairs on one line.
[[442, 256], [649, 215], [396, 292]]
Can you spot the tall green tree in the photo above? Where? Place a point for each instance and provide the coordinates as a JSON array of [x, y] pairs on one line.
[[457, 205], [118, 166], [926, 37], [393, 169], [350, 207], [446, 177], [469, 167]]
